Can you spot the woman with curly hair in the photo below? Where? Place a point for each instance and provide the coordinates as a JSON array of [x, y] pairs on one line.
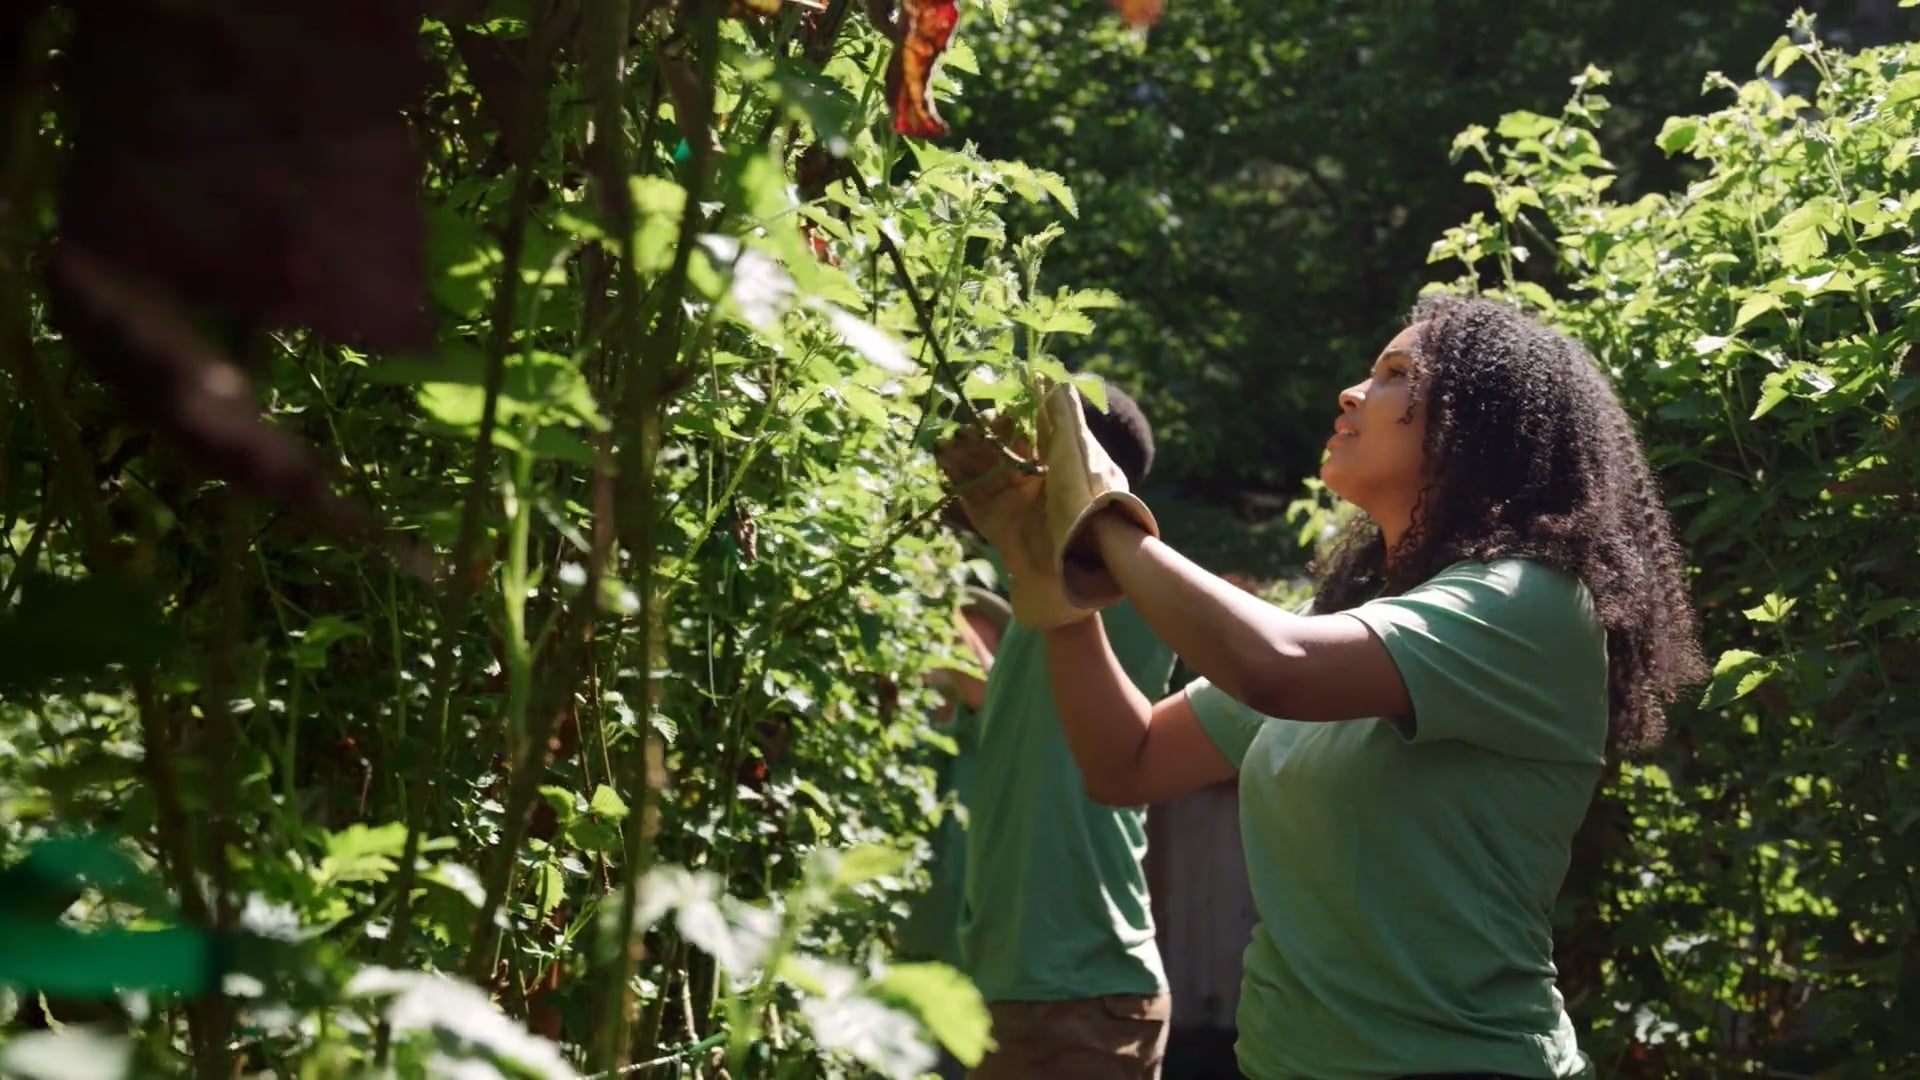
[[1417, 751]]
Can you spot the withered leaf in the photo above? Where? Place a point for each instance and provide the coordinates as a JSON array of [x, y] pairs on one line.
[[924, 28], [1138, 12]]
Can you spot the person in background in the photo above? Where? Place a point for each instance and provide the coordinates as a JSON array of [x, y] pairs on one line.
[[932, 927], [1056, 927], [1416, 754]]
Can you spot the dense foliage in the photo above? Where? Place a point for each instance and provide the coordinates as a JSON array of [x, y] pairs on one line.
[[1746, 900], [493, 596], [600, 685], [1260, 179]]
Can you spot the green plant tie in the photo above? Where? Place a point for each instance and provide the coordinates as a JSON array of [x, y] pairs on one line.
[[38, 952]]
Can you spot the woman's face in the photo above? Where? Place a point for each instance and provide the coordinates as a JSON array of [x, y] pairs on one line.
[[1376, 455]]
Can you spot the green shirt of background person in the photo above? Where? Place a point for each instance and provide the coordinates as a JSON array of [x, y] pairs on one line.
[[932, 928], [1057, 927], [1510, 610]]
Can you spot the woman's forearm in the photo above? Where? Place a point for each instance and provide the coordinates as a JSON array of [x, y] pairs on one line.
[[1240, 643], [1104, 715]]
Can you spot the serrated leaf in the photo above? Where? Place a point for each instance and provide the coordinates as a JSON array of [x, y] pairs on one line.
[[1524, 125], [1736, 674], [1772, 609], [1756, 305], [1904, 88], [862, 864], [1066, 321], [474, 1024], [1677, 134], [946, 1001], [1773, 391], [362, 853], [658, 204], [607, 803]]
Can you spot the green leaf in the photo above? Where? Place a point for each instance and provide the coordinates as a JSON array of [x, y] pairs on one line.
[[363, 853], [658, 204], [458, 879], [310, 651], [1066, 321], [1904, 88], [1736, 674], [1677, 134], [1756, 305], [540, 386], [1803, 233], [1524, 125], [865, 863], [462, 262], [70, 1053], [607, 803], [469, 1025], [823, 104], [1773, 391], [1772, 609], [946, 1001]]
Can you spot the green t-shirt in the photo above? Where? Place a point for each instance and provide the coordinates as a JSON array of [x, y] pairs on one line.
[[932, 927], [1056, 899], [1405, 870]]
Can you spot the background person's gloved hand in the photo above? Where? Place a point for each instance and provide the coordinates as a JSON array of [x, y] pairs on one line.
[[1008, 507], [1082, 481]]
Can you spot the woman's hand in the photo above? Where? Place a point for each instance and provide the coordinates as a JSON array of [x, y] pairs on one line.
[[1082, 483], [1008, 507]]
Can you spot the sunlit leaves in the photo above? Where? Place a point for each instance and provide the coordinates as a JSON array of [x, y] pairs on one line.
[[469, 1031], [1760, 322], [360, 853], [946, 1001], [763, 293], [74, 1053]]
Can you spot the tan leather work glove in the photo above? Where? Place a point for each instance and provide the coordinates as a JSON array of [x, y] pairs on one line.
[[1081, 482], [1008, 507]]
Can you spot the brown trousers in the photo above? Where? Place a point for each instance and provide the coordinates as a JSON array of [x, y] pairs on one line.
[[1113, 1037]]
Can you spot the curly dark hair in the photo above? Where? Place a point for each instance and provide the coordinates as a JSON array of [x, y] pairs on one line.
[[1530, 455], [1123, 432]]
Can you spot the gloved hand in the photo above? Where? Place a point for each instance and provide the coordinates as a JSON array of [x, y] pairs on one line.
[[1082, 481], [1008, 507]]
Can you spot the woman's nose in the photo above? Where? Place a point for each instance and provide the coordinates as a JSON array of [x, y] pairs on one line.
[[1351, 397]]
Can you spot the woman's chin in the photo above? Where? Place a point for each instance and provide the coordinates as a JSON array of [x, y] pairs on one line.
[[1332, 475]]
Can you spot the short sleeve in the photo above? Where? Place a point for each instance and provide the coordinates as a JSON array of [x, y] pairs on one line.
[[1506, 655], [1231, 725]]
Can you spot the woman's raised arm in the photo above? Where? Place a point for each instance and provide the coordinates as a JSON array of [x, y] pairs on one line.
[[1313, 667], [1131, 751]]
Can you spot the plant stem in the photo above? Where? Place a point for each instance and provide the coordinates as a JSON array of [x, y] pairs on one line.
[[461, 590], [941, 366], [644, 371]]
